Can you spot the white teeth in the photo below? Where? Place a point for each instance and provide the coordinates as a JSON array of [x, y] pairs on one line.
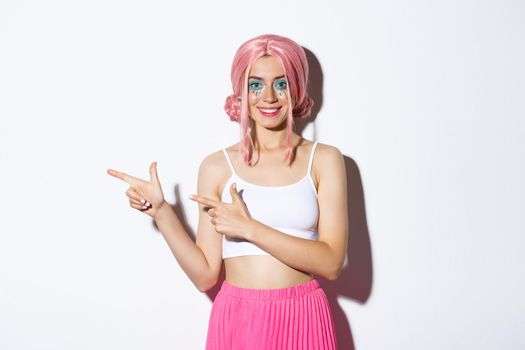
[[269, 110]]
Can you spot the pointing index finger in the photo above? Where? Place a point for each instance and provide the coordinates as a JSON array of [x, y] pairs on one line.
[[119, 175], [206, 201]]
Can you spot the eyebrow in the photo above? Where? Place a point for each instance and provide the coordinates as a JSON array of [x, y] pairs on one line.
[[254, 77]]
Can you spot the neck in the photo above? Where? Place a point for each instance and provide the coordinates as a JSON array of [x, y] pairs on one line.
[[270, 140]]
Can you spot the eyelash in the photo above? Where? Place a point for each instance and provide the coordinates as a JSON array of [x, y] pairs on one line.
[[279, 86], [258, 86], [253, 86]]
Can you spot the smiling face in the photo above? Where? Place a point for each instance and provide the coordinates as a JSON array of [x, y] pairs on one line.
[[268, 93]]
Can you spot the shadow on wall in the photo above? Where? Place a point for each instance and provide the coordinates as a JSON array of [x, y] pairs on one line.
[[355, 281]]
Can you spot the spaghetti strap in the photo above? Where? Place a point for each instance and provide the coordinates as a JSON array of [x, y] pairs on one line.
[[310, 161], [229, 160]]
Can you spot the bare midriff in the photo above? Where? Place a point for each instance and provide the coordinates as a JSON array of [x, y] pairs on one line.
[[262, 272]]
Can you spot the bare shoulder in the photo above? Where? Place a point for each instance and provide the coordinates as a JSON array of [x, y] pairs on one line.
[[213, 162], [330, 171], [328, 161], [216, 162], [324, 150], [327, 155], [213, 173]]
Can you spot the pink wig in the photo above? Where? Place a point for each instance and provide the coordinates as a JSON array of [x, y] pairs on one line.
[[295, 66]]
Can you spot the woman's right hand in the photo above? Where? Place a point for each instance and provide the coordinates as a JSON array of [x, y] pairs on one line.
[[143, 195]]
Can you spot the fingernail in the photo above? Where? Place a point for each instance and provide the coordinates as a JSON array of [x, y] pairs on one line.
[[142, 201], [147, 204]]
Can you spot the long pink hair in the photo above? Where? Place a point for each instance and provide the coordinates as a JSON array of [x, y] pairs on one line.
[[295, 66]]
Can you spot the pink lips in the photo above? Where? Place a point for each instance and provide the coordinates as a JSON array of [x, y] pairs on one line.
[[264, 111]]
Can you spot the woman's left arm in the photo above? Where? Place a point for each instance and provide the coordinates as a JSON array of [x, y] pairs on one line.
[[326, 256]]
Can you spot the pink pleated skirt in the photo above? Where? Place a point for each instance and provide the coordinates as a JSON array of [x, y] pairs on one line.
[[293, 318]]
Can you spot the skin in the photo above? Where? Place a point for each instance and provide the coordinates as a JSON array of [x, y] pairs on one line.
[[292, 260], [268, 88]]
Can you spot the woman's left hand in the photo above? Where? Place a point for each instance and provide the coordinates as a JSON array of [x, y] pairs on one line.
[[230, 219]]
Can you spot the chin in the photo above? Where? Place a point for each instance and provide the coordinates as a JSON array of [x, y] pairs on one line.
[[275, 125]]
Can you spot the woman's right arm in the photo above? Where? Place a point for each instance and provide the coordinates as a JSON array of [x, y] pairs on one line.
[[200, 260], [189, 256]]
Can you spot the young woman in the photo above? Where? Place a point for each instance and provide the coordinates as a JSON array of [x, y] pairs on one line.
[[272, 207]]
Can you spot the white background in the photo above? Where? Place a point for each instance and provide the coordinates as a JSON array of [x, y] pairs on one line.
[[424, 98]]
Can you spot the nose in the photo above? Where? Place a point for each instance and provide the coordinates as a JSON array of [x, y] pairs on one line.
[[269, 95]]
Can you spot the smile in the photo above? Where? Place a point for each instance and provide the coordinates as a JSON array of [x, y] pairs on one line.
[[269, 112]]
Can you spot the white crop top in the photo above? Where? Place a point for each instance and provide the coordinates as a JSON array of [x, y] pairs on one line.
[[292, 209]]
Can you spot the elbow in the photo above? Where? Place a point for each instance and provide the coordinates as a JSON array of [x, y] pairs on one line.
[[333, 276], [334, 268], [204, 287], [334, 273]]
